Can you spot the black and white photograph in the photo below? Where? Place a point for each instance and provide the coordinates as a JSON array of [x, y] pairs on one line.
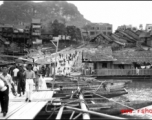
[[75, 60]]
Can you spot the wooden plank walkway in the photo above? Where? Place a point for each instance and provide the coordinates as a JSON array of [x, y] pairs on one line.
[[37, 96], [19, 109], [23, 110]]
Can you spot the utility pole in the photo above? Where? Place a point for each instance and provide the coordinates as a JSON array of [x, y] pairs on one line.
[[56, 46]]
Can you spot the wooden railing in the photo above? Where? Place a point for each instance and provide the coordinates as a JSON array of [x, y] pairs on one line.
[[119, 72]]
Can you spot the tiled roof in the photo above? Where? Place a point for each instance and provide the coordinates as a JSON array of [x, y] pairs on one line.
[[102, 54], [133, 56], [123, 57], [97, 57], [138, 32]]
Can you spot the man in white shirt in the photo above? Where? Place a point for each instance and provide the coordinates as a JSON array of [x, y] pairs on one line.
[[7, 79], [30, 81], [15, 71], [3, 94]]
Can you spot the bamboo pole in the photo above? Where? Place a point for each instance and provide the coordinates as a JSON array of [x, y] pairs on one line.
[[95, 113], [73, 94], [72, 115], [77, 116], [83, 107], [59, 115], [56, 46], [53, 76]]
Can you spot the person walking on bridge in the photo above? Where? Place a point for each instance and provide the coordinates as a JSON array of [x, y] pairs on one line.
[[21, 81], [15, 71], [30, 81], [3, 96], [7, 79]]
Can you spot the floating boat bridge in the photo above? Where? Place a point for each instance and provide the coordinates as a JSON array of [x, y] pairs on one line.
[[19, 109]]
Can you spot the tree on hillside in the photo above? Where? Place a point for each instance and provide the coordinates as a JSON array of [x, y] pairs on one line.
[[74, 32], [62, 30], [56, 28], [87, 27], [49, 27], [43, 30]]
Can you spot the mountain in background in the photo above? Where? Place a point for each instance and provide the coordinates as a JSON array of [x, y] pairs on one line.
[[22, 12]]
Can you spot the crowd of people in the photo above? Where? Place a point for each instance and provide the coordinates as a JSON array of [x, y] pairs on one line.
[[19, 79], [64, 63], [22, 78]]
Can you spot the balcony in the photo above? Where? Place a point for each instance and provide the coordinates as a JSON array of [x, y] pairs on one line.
[[36, 26], [36, 34]]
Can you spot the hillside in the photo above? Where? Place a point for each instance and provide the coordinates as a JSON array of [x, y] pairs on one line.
[[22, 12]]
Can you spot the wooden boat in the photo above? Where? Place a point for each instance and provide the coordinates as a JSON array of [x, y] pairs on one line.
[[109, 85], [107, 89], [88, 90], [89, 93], [97, 105]]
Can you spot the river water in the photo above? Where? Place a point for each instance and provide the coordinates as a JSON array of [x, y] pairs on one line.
[[139, 90]]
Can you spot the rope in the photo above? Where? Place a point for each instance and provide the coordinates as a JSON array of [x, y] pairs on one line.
[[99, 87], [46, 110]]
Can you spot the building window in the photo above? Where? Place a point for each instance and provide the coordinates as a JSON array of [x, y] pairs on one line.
[[109, 28], [121, 66], [92, 33], [104, 33], [103, 28], [104, 65], [109, 33]]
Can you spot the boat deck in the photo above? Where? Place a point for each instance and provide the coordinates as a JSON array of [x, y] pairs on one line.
[[19, 109]]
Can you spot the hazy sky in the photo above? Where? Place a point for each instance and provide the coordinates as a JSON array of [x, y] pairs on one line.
[[116, 12]]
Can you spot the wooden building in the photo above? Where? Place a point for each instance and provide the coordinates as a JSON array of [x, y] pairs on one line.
[[36, 27], [11, 35], [106, 63], [36, 32], [96, 28]]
